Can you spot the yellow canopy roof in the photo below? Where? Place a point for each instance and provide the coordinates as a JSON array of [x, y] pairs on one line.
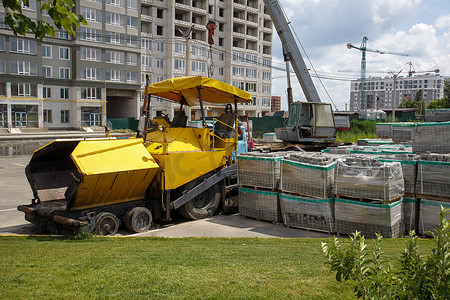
[[212, 91]]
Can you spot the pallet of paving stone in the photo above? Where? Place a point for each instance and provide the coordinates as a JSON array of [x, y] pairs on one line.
[[383, 130], [260, 169], [409, 169], [437, 115], [432, 137], [403, 132], [433, 175], [308, 173], [369, 218], [308, 213], [367, 178], [429, 215], [410, 213], [259, 204]]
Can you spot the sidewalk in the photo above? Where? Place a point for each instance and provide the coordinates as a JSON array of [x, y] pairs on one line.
[[57, 134]]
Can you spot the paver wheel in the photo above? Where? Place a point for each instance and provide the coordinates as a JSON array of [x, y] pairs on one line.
[[138, 219], [204, 205], [106, 224]]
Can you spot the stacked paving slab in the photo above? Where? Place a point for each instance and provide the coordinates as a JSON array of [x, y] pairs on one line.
[[306, 197], [432, 137], [403, 132], [259, 179], [383, 130]]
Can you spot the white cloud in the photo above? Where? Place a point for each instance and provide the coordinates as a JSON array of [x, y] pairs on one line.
[[443, 22]]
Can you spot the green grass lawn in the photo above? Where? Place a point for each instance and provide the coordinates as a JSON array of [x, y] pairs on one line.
[[123, 268]]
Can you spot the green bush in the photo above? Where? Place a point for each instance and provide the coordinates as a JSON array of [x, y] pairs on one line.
[[417, 278]]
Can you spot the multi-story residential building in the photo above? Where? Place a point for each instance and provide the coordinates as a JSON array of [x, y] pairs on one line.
[[241, 54], [380, 91], [65, 82], [275, 104]]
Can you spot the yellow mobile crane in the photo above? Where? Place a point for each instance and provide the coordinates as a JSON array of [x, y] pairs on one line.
[[100, 183]]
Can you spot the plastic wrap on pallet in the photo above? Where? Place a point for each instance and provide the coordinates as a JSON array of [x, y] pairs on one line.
[[307, 212], [403, 132], [260, 169], [410, 206], [433, 175], [310, 174], [437, 115], [429, 214], [259, 204], [433, 137], [369, 218], [374, 142], [362, 177], [383, 130], [409, 169]]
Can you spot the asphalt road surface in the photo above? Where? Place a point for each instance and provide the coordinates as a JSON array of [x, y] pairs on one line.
[[15, 190]]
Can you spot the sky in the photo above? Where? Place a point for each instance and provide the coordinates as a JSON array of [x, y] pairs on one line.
[[419, 28]]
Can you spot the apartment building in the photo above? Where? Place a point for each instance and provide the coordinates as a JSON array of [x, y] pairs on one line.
[[174, 42], [380, 90], [66, 82]]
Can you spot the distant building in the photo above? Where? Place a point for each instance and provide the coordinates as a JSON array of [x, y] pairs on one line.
[[379, 91], [275, 103]]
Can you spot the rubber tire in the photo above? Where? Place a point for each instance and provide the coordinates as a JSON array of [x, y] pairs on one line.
[[193, 210], [138, 219], [106, 224]]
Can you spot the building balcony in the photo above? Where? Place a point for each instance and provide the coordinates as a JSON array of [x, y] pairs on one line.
[[251, 37], [201, 27], [146, 18], [239, 20], [149, 2], [146, 34], [252, 9], [238, 34], [240, 6], [182, 23]]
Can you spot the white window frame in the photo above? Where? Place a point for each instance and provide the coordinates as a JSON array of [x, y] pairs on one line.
[[64, 73], [114, 57], [159, 63], [146, 61], [180, 64], [47, 51], [90, 54], [47, 71]]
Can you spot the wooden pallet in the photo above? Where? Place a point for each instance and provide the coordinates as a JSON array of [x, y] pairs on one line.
[[258, 188], [259, 219], [368, 200], [303, 195], [431, 197], [310, 229]]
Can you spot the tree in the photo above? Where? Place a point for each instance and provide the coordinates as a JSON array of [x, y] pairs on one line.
[[60, 11], [443, 102]]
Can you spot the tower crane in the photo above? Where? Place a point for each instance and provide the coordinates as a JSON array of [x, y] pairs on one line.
[[363, 48], [413, 71]]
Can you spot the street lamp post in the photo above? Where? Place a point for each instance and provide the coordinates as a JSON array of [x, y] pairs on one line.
[[394, 94]]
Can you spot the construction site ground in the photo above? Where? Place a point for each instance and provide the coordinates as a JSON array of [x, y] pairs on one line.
[[15, 191]]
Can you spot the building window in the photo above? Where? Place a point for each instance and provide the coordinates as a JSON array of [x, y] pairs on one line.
[[159, 78], [64, 73], [159, 47], [159, 30], [267, 75], [220, 71], [238, 71], [47, 114], [118, 3], [132, 41], [91, 93], [132, 22], [91, 14], [64, 93], [91, 54], [159, 63], [47, 71], [65, 117], [221, 56], [115, 19], [221, 42], [2, 66], [46, 51], [238, 84], [91, 35], [114, 57], [180, 64], [91, 73], [64, 53], [221, 12], [198, 50], [198, 66], [250, 87], [23, 89], [159, 13], [132, 59], [267, 62], [266, 88], [132, 4], [47, 92], [115, 75], [132, 77], [250, 73], [146, 44], [63, 34], [146, 61], [180, 47], [23, 68], [114, 38], [22, 46], [2, 41], [221, 26]]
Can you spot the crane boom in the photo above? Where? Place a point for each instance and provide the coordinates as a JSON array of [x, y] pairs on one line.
[[291, 50]]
